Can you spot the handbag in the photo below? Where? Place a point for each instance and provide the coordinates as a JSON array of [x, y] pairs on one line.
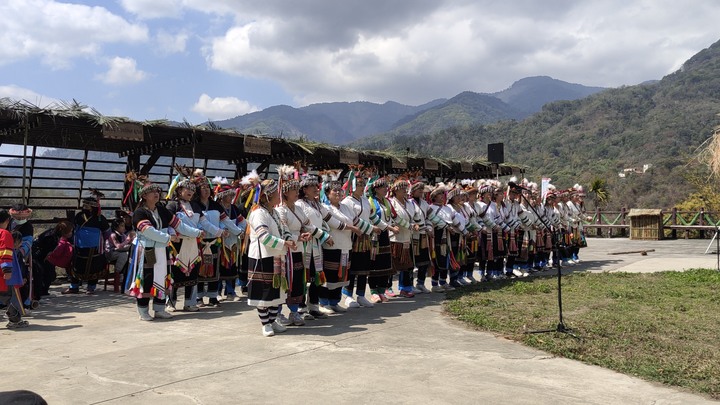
[[150, 258]]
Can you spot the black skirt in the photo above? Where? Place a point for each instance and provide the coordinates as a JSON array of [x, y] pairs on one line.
[[382, 264], [261, 292], [296, 280]]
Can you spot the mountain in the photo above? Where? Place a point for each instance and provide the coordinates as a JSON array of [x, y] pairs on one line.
[[336, 123], [531, 93], [344, 122], [524, 98], [661, 124]]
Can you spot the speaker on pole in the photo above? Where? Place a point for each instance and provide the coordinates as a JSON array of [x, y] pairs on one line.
[[496, 153]]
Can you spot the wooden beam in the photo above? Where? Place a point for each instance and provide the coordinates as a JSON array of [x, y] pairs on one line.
[[150, 162]]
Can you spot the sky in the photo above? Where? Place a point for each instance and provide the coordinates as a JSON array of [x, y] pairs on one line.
[[199, 60]]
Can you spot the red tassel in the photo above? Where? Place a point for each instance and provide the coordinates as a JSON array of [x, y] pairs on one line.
[[501, 241], [513, 243], [489, 247]]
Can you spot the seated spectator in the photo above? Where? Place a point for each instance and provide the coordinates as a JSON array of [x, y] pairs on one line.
[[62, 255], [117, 246]]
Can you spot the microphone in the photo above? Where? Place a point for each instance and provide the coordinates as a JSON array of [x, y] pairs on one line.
[[516, 186]]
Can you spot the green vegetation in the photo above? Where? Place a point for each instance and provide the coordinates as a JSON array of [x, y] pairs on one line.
[[658, 326]]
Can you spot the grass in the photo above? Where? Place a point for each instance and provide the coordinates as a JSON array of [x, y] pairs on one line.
[[660, 326]]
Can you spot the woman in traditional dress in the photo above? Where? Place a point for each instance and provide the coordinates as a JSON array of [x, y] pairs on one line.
[[360, 253], [230, 254], [404, 214], [266, 256], [336, 258], [422, 239], [381, 269], [209, 275], [148, 272], [185, 253], [441, 221], [458, 233]]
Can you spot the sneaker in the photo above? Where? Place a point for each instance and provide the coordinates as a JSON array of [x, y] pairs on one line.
[[296, 319], [384, 298], [568, 262], [459, 282], [374, 299], [421, 288], [472, 279], [220, 298], [406, 294], [317, 314], [18, 324], [90, 292], [70, 291], [336, 308], [351, 303], [448, 287], [190, 308], [213, 303], [170, 308], [307, 317], [162, 315], [200, 303], [416, 290], [277, 327], [437, 289], [362, 301], [518, 273], [390, 293], [234, 298], [283, 320], [326, 310], [267, 330]]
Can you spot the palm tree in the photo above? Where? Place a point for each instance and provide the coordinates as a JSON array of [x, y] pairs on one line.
[[600, 194]]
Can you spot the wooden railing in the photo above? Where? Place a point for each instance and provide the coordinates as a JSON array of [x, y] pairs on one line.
[[691, 224]]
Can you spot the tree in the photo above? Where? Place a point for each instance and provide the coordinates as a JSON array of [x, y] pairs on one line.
[[599, 191]]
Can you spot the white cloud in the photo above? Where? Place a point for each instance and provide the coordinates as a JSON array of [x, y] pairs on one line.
[[168, 43], [322, 51], [222, 107], [58, 32], [122, 71], [22, 94], [149, 9]]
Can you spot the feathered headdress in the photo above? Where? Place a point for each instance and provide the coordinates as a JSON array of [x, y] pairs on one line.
[[181, 180], [331, 181], [252, 181], [287, 178]]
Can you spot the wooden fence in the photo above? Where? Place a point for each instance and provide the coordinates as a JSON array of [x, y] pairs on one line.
[[689, 224]]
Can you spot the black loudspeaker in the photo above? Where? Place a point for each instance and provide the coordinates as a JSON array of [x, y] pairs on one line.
[[496, 153]]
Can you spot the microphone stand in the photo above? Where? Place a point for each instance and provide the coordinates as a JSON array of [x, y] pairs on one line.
[[561, 327]]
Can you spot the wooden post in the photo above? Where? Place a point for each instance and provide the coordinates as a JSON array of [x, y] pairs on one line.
[[598, 220], [673, 221], [702, 222], [623, 216]]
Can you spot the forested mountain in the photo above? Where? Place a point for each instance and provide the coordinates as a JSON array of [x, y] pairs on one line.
[[660, 123], [343, 122]]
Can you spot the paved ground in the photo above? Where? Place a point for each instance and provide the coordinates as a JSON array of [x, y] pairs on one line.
[[92, 349]]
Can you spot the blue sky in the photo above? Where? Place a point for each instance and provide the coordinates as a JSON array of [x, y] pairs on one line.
[[203, 59]]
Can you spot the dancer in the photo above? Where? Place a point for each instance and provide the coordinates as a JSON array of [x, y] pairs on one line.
[[148, 272], [266, 256]]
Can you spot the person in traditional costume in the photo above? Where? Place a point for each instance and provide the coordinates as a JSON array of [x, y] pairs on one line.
[[381, 267], [360, 253], [487, 227], [562, 213], [209, 274], [498, 214], [472, 239], [512, 210], [457, 243], [12, 278], [301, 231], [318, 214], [422, 238], [576, 213], [408, 220], [185, 255], [336, 258], [20, 214], [148, 275], [227, 194], [267, 282], [90, 229], [441, 222]]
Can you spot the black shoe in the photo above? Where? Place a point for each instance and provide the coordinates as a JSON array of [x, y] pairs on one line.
[[456, 284], [214, 303]]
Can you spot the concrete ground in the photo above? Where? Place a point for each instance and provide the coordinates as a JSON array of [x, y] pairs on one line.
[[93, 350]]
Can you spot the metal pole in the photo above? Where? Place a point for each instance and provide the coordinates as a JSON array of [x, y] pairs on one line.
[[25, 141]]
